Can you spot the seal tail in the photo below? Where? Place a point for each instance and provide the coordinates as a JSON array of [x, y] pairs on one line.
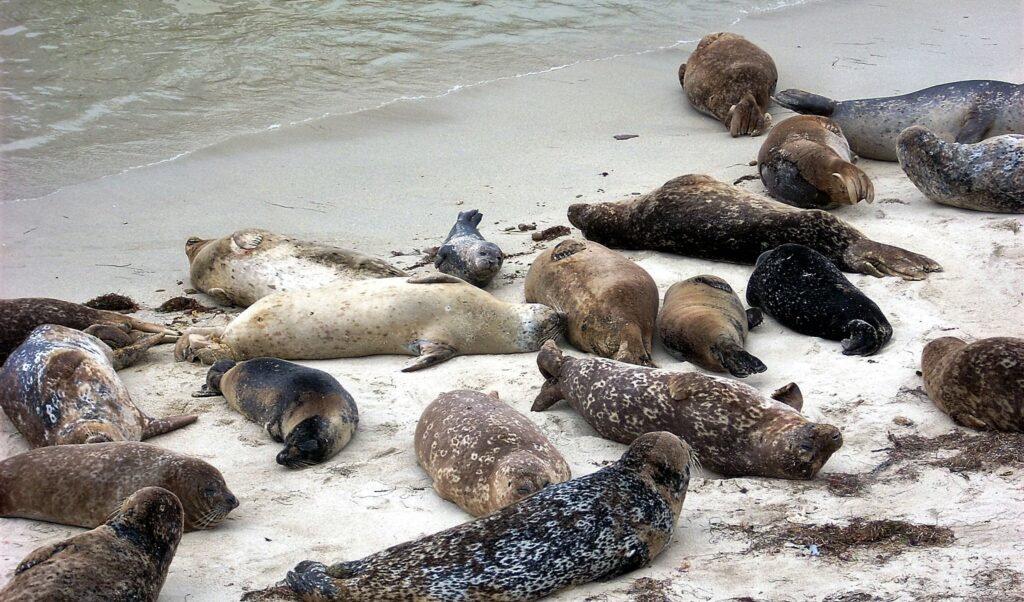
[[736, 360], [550, 361], [805, 102], [159, 426], [865, 339]]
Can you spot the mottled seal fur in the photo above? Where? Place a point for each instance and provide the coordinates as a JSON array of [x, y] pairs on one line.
[[250, 264], [82, 485], [60, 387], [610, 302], [465, 254], [965, 111], [125, 559], [986, 176], [703, 321], [482, 454], [701, 217], [305, 408], [731, 79], [803, 290], [733, 428], [599, 526], [805, 161], [980, 385]]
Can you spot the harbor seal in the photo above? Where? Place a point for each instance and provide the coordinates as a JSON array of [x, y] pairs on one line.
[[250, 264], [81, 485], [733, 428], [986, 176], [702, 321], [698, 216], [731, 79], [435, 316], [306, 409], [980, 385], [610, 302], [806, 162], [965, 111], [598, 526], [126, 558], [60, 387], [465, 254], [482, 454], [803, 290]]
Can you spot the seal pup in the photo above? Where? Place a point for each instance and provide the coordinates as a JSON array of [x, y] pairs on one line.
[[980, 385], [434, 316], [306, 409], [803, 290], [465, 254], [703, 321], [482, 454], [986, 176], [731, 79], [60, 387], [965, 111], [610, 302], [734, 429], [250, 264], [699, 216], [805, 161], [126, 558], [598, 526], [81, 485]]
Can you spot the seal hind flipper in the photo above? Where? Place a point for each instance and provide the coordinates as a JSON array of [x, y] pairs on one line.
[[877, 259], [805, 102], [746, 119], [472, 217], [114, 336], [159, 426], [754, 317], [435, 278], [126, 356], [737, 360], [976, 125], [863, 338], [790, 395], [431, 352], [310, 578], [200, 344], [631, 347], [549, 361]]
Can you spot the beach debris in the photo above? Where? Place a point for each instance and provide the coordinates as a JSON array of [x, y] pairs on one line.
[[902, 421], [744, 179], [113, 302], [550, 233], [646, 589], [625, 136], [521, 228], [891, 537], [987, 450], [182, 304], [845, 485]]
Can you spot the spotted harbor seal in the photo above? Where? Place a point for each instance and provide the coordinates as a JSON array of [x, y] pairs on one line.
[[610, 302], [60, 387], [980, 385], [803, 290], [126, 558], [698, 216], [435, 316], [702, 321], [250, 264], [482, 454], [305, 408], [599, 526], [986, 176], [967, 112], [465, 254], [731, 79], [82, 484]]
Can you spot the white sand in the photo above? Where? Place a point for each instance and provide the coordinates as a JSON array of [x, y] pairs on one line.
[[522, 150]]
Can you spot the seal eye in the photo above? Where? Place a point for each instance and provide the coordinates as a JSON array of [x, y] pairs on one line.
[[210, 490], [522, 490]]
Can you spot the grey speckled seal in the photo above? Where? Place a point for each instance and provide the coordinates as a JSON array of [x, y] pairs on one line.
[[465, 254], [595, 527], [966, 111], [986, 176]]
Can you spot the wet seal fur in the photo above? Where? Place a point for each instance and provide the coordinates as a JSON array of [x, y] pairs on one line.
[[733, 428], [980, 385], [306, 409], [610, 302], [731, 79], [595, 527], [126, 558], [482, 454], [60, 387], [986, 176], [698, 216], [82, 485], [806, 162], [803, 290], [465, 254], [703, 321], [435, 317], [965, 111], [250, 264]]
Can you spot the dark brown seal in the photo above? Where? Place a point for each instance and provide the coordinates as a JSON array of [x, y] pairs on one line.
[[482, 454], [610, 302]]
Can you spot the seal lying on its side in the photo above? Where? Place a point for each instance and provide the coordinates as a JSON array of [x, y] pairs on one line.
[[465, 254], [595, 527], [701, 217]]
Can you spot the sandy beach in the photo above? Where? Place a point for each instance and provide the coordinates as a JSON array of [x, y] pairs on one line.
[[521, 150]]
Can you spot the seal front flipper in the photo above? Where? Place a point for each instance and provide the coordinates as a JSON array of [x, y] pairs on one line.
[[113, 336], [247, 240], [41, 555], [567, 248], [876, 259], [863, 338], [736, 360], [790, 395], [805, 102], [976, 125], [435, 278], [159, 426], [126, 356], [431, 352], [220, 296], [754, 317]]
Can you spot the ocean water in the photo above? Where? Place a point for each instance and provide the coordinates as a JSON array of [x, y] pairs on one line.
[[91, 88]]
